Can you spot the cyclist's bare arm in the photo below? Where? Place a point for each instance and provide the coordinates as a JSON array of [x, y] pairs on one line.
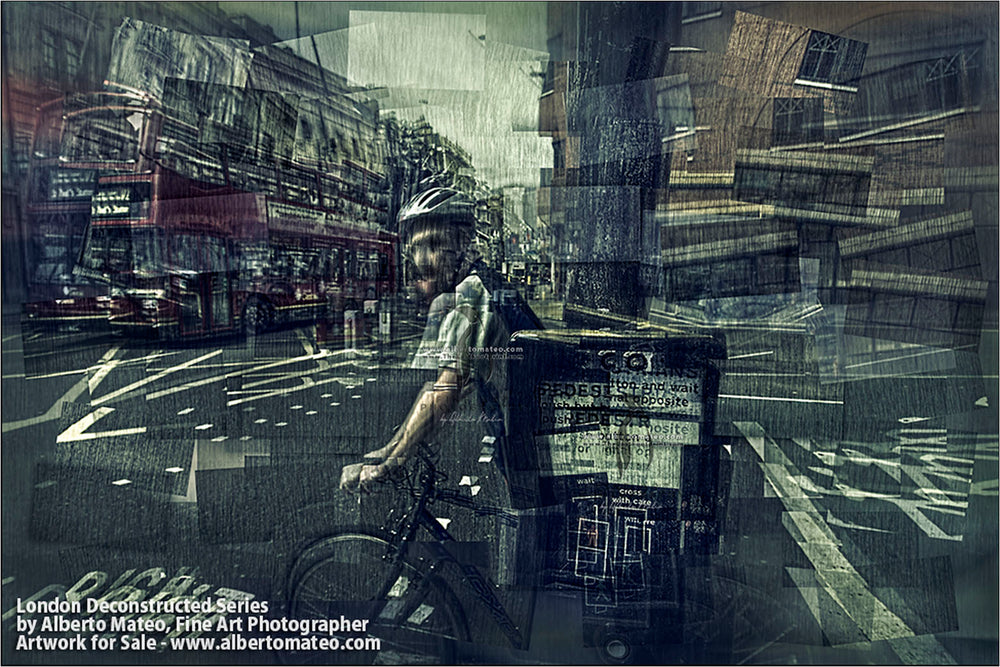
[[432, 402]]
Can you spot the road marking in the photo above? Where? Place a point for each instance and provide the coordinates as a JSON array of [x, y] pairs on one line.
[[292, 375], [77, 431], [71, 395], [306, 343], [763, 374], [100, 374], [199, 383], [153, 378], [834, 572], [751, 354], [308, 383], [119, 362], [920, 353]]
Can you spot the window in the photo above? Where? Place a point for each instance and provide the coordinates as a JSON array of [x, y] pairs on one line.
[[797, 120], [831, 59], [674, 107], [336, 265], [101, 135], [49, 53], [952, 81], [558, 154], [214, 256], [72, 59], [267, 145], [146, 251], [109, 250]]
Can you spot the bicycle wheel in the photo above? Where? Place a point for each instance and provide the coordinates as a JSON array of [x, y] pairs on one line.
[[347, 574]]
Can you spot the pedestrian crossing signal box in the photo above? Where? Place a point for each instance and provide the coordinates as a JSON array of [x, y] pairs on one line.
[[632, 409], [610, 438]]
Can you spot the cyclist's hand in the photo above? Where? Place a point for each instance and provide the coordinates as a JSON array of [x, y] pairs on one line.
[[360, 476], [372, 472], [350, 477], [382, 453]]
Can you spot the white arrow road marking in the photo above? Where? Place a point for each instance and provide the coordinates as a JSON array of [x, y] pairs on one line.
[[106, 362], [77, 430], [226, 376], [153, 378]]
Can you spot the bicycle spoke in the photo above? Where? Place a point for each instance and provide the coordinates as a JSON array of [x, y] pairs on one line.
[[409, 615], [319, 612]]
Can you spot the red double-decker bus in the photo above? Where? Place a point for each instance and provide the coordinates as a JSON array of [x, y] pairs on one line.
[[190, 259], [187, 242]]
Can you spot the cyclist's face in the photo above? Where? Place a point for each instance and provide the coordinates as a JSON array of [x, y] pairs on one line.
[[432, 260], [431, 269]]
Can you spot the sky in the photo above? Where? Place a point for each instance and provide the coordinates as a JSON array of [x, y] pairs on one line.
[[473, 70]]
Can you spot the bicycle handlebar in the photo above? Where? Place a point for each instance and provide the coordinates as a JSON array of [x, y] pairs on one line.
[[421, 484]]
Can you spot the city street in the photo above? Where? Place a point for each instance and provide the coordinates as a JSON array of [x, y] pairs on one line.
[[215, 457], [219, 457], [689, 310]]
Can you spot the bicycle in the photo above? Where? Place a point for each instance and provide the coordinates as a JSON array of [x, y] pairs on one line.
[[385, 576]]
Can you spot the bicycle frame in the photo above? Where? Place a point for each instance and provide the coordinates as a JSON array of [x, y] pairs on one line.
[[419, 516]]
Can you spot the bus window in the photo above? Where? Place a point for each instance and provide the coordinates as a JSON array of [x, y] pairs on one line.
[[352, 265], [300, 265], [278, 266], [108, 250], [146, 252], [338, 265], [47, 132], [102, 135], [183, 250], [383, 266], [213, 255], [252, 260], [314, 264]]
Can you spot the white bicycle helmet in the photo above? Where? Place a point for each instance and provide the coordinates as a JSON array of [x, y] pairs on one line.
[[443, 204]]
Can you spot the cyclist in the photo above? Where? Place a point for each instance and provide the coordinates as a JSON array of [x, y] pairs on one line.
[[472, 313]]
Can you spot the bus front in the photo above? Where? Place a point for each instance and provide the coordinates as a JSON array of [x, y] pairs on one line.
[[77, 139], [124, 247]]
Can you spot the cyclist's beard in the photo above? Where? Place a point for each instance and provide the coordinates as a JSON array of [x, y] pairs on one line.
[[429, 288], [445, 278]]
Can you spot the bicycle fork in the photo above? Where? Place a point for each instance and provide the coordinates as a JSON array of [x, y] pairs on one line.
[[406, 587], [396, 583], [473, 577]]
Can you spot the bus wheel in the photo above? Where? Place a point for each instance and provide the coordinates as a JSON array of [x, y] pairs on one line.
[[257, 316]]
